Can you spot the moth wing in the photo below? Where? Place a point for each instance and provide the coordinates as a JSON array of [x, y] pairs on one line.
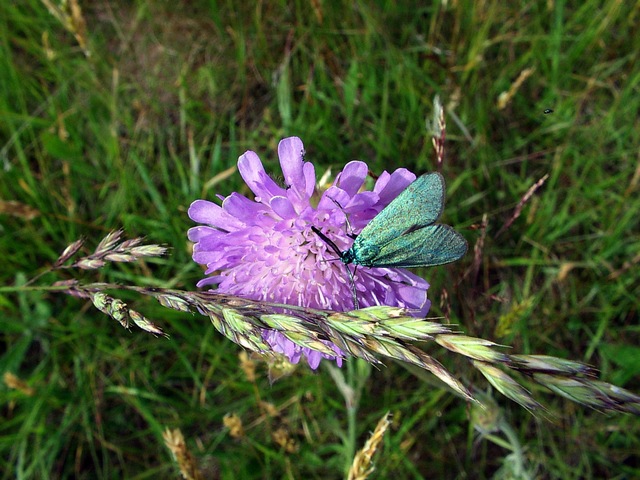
[[424, 247], [418, 205]]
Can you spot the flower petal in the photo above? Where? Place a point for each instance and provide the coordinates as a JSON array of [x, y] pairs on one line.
[[309, 172], [352, 177], [239, 206], [282, 206], [290, 154], [252, 172], [389, 186], [204, 211]]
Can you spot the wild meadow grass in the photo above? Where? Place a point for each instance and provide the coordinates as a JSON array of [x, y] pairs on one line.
[[120, 114]]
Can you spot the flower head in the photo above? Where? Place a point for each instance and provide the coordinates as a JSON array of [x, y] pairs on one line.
[[264, 249]]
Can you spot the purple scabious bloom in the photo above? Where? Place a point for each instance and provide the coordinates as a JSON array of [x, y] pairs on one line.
[[264, 249]]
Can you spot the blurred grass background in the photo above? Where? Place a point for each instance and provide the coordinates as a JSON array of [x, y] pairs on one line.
[[120, 114]]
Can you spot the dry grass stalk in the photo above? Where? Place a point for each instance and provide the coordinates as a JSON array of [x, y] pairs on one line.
[[174, 440], [362, 465], [16, 383]]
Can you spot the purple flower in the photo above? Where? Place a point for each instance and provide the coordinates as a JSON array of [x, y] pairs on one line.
[[264, 249]]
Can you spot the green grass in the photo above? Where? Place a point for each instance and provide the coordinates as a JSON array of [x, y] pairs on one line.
[[172, 95]]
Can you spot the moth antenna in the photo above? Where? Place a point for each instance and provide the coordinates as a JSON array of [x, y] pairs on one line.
[[327, 240], [335, 248], [346, 219]]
